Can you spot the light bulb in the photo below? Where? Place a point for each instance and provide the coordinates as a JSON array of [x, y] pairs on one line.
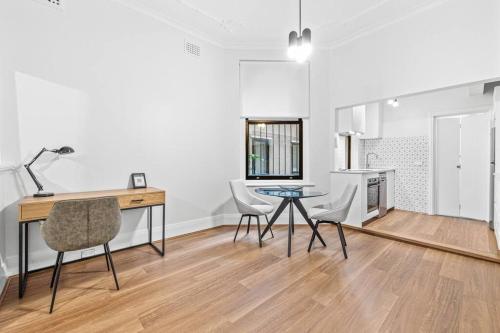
[[390, 101], [396, 103]]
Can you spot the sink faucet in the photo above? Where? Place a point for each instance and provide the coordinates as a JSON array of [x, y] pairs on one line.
[[368, 159]]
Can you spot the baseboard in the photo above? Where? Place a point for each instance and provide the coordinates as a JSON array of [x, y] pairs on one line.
[[4, 285], [46, 257]]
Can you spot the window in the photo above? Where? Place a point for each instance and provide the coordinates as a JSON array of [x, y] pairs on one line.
[[274, 149]]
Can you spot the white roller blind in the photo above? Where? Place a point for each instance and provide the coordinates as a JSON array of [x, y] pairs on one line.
[[274, 89]]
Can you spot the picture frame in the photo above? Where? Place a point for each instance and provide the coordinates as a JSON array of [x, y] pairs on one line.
[[139, 180]]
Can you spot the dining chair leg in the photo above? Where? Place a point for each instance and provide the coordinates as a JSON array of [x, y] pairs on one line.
[[248, 225], [313, 237], [55, 269], [343, 236], [271, 230], [108, 252], [58, 273], [341, 241], [238, 229], [106, 256], [258, 230]]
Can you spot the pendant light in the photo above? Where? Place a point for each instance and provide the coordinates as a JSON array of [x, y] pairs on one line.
[[299, 44]]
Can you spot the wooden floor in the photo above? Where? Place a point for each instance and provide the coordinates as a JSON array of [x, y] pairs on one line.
[[207, 283], [464, 235]]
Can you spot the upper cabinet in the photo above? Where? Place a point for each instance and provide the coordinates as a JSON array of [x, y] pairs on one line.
[[351, 121], [373, 121]]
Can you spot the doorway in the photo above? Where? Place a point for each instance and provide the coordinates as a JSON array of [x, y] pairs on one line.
[[462, 165]]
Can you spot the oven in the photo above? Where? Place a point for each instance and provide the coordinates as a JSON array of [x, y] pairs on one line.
[[372, 194]]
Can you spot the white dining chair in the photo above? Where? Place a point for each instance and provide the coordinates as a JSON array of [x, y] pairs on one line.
[[334, 213], [249, 206]]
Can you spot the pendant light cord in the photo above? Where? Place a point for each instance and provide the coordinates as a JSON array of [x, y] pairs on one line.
[[300, 18]]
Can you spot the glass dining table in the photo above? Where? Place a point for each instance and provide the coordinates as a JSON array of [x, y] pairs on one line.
[[291, 197]]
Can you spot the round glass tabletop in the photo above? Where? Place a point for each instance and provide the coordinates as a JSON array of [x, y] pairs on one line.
[[282, 193]]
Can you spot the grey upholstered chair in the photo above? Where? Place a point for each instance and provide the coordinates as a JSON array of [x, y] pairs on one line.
[[334, 213], [249, 206], [80, 224]]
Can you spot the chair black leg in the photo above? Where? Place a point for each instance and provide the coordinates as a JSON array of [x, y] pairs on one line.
[[238, 229], [271, 230], [341, 241], [313, 236], [106, 256], [248, 225], [343, 236], [258, 230], [60, 256], [108, 252], [55, 269]]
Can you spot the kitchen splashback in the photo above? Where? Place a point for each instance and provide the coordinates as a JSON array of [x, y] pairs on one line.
[[410, 157]]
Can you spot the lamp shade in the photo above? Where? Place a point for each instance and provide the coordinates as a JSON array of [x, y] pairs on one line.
[[65, 150]]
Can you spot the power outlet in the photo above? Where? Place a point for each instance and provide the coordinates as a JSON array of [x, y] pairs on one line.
[[88, 253]]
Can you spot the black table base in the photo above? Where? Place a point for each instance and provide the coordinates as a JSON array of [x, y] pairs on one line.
[[291, 202]]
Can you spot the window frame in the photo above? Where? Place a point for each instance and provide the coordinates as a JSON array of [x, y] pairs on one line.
[[298, 122]]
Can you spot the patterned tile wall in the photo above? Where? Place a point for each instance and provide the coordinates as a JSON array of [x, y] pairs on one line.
[[410, 157]]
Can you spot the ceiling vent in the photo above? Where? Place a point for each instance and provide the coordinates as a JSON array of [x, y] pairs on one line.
[[192, 49], [55, 4]]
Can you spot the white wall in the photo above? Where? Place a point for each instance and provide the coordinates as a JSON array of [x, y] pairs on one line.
[[455, 42], [117, 86], [317, 142], [415, 114]]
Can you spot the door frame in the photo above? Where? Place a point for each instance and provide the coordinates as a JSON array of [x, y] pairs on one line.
[[433, 146]]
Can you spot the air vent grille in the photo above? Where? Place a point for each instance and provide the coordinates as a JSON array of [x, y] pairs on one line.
[[57, 4], [192, 49]]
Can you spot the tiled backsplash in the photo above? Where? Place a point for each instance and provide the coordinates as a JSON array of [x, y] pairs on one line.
[[410, 157]]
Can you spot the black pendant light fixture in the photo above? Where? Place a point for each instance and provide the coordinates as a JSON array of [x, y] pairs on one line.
[[299, 44]]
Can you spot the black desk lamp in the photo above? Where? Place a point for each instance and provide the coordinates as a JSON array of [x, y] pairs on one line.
[[61, 151]]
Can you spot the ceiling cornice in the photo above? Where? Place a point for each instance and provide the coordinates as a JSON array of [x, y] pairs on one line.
[[417, 10], [331, 44], [170, 22]]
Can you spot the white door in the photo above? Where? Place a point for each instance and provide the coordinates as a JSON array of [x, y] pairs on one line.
[[463, 166], [447, 160], [475, 166]]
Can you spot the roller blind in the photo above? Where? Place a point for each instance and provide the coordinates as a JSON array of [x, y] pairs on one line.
[[274, 89]]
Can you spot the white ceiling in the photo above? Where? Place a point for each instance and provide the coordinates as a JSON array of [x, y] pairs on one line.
[[266, 23]]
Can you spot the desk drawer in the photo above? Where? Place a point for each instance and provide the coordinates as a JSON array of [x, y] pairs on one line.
[[35, 212], [140, 200]]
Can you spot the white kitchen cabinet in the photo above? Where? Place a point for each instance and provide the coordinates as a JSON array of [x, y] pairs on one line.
[[373, 121], [351, 120]]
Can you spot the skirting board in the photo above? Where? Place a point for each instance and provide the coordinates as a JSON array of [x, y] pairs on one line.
[[47, 257]]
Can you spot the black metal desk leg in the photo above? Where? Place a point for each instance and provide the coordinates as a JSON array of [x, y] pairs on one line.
[[20, 260], [303, 212], [150, 224], [278, 212], [163, 233], [290, 229]]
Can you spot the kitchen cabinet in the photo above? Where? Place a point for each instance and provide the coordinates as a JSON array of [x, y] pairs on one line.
[[373, 121], [351, 121]]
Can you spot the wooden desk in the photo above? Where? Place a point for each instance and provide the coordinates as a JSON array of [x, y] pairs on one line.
[[33, 209]]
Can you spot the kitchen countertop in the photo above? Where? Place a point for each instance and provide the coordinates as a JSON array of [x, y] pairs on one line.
[[363, 171]]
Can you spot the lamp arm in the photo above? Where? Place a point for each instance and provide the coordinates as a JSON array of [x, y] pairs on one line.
[[27, 166]]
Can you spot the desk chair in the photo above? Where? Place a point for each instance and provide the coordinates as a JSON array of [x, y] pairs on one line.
[[80, 224], [249, 206], [334, 213]]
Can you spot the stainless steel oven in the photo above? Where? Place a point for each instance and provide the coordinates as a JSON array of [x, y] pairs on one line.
[[372, 194]]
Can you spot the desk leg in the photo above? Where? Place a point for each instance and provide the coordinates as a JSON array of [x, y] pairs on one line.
[[20, 259], [150, 223], [163, 233]]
